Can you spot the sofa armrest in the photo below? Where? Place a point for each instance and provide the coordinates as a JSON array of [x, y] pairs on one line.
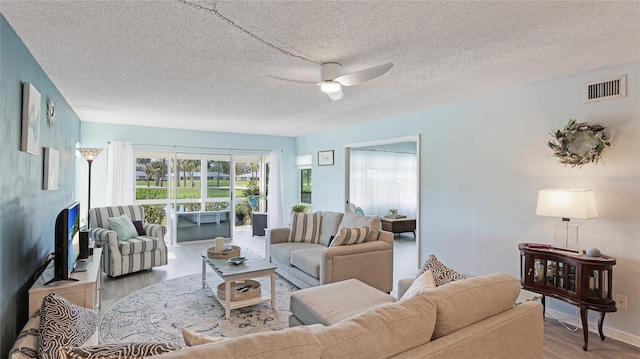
[[369, 262], [106, 237], [155, 230], [385, 236], [277, 235], [273, 236]]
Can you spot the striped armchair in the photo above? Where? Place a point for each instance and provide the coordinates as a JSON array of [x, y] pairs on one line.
[[132, 255]]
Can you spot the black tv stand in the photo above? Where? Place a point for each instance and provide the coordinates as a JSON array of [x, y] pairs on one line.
[[61, 279]]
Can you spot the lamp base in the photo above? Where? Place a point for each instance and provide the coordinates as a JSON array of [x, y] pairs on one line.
[[566, 235]]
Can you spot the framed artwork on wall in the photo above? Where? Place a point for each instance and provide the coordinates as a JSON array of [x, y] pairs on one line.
[[31, 111], [325, 158], [51, 165]]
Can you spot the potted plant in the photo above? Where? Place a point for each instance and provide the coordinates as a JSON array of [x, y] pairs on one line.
[[242, 209], [300, 208], [252, 194]]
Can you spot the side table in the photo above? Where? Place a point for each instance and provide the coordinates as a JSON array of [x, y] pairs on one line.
[[85, 291]]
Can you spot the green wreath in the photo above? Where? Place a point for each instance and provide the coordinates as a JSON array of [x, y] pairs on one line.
[[578, 143]]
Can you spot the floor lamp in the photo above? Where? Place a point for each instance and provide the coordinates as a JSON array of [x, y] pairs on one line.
[[89, 154]]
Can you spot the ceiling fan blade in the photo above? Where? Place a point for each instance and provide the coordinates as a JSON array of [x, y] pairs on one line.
[[365, 75], [335, 96], [293, 80]]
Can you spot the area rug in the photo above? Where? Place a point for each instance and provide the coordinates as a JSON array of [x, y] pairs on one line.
[[158, 312]]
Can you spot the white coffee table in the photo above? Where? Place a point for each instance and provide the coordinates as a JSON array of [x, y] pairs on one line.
[[255, 267]]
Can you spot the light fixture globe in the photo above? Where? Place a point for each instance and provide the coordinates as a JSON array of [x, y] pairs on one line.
[[330, 86], [89, 153]]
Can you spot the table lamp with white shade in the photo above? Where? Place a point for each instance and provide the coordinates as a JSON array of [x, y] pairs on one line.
[[567, 204]]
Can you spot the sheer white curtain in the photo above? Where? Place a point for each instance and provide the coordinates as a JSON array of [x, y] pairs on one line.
[[120, 173], [275, 214], [381, 180]]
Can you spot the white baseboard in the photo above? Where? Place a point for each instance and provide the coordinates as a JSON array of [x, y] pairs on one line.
[[593, 327]]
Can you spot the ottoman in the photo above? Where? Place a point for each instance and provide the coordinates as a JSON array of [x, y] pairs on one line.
[[330, 303]]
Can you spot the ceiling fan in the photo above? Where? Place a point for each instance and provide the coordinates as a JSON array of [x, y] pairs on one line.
[[331, 81]]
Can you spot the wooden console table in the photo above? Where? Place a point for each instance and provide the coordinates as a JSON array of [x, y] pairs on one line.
[[569, 276], [85, 291], [399, 225]]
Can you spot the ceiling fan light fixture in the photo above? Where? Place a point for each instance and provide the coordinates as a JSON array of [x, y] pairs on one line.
[[330, 86]]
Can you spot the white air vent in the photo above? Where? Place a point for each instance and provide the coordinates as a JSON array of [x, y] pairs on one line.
[[606, 89]]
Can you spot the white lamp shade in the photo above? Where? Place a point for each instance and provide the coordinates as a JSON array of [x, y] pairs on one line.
[[567, 203]]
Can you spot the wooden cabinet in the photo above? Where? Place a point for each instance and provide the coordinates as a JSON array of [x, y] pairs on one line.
[[85, 291], [570, 276], [399, 225]]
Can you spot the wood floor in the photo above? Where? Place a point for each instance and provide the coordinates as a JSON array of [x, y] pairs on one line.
[[184, 259]]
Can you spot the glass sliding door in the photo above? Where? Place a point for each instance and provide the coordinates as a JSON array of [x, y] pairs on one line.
[[200, 195]]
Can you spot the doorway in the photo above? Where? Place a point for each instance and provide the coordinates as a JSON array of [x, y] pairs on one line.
[[382, 179]]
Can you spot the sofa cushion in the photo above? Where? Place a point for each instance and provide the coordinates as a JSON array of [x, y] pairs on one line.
[[424, 281], [119, 350], [347, 236], [64, 324], [329, 225], [441, 273], [352, 220], [305, 227], [462, 303], [140, 244], [307, 260], [281, 252], [331, 303], [291, 343], [380, 332], [123, 226]]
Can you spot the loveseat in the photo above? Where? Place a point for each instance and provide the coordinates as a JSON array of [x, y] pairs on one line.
[[471, 318], [144, 249], [308, 264]]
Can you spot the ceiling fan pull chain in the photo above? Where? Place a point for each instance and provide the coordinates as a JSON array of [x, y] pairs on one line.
[[230, 22]]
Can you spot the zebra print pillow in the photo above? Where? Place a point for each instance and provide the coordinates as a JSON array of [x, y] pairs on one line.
[[441, 273], [119, 350], [63, 323]]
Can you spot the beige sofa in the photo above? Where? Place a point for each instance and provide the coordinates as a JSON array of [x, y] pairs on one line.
[[312, 264], [471, 318]]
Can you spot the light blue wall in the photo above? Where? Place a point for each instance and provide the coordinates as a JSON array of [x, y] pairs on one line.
[[98, 134], [27, 212], [483, 161]]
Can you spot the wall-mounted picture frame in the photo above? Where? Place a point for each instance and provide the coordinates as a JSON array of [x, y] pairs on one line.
[[51, 165], [325, 158], [31, 111]]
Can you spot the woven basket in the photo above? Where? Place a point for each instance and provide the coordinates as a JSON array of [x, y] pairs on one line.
[[233, 251], [252, 289]]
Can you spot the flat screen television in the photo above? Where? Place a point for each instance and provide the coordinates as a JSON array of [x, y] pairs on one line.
[[67, 246]]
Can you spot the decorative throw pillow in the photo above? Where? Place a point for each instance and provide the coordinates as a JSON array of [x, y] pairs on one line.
[[424, 281], [348, 236], [26, 344], [119, 350], [139, 228], [64, 324], [305, 227], [123, 227], [441, 273], [192, 338]]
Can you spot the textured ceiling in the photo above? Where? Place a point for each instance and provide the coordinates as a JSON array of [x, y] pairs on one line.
[[166, 64]]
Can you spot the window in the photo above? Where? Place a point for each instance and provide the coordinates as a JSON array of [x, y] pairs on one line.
[[304, 163], [305, 185]]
